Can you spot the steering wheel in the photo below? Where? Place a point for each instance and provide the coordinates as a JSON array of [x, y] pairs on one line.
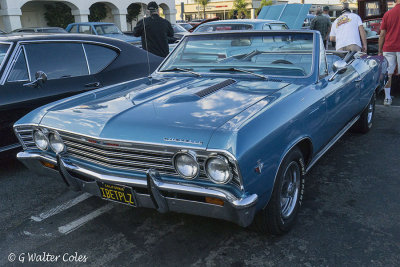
[[281, 61]]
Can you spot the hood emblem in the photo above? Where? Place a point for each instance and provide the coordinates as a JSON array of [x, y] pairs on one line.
[[182, 140], [259, 166]]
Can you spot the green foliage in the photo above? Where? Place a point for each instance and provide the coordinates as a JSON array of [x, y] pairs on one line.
[[58, 15], [98, 11], [203, 3], [133, 13], [240, 6], [263, 4]]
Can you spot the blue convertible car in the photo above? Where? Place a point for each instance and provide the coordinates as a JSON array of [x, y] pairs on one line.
[[227, 127]]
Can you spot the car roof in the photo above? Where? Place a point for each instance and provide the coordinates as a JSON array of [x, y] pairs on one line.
[[252, 31], [17, 37], [39, 28], [243, 21], [92, 23]]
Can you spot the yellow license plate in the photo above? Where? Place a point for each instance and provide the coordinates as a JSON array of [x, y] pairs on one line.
[[117, 193]]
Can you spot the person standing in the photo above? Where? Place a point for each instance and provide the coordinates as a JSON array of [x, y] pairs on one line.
[[235, 14], [326, 12], [389, 45], [154, 31], [348, 32], [322, 24]]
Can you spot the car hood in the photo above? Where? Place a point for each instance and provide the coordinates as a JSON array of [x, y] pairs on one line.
[[292, 14], [177, 110]]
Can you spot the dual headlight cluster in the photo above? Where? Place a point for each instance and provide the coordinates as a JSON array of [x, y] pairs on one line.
[[45, 139], [216, 167]]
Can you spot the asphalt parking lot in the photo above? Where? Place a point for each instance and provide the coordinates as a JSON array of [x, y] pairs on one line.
[[350, 217]]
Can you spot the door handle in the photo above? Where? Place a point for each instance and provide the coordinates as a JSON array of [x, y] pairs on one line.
[[93, 85]]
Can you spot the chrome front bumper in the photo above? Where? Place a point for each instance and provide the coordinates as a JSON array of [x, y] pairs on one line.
[[152, 192]]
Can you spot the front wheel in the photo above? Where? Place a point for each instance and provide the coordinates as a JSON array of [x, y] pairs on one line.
[[279, 216], [364, 123]]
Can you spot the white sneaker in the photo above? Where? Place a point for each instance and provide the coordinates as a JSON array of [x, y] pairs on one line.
[[387, 101]]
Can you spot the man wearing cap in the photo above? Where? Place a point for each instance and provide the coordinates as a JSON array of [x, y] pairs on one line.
[[154, 31], [325, 12], [348, 32], [322, 24], [389, 45]]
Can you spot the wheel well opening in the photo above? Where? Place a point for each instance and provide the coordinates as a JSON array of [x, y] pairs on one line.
[[306, 149]]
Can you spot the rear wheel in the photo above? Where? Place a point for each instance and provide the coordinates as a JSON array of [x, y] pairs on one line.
[[279, 216], [364, 123]]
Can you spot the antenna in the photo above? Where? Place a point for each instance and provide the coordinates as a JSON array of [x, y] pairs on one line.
[[145, 40]]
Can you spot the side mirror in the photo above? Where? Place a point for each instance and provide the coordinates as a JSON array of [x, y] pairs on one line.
[[40, 79], [339, 66]]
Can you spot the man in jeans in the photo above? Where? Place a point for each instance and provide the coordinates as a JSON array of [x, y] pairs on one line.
[[389, 45], [346, 32], [322, 24]]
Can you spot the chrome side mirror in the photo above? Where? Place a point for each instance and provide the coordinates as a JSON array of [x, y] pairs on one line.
[[40, 79], [339, 67]]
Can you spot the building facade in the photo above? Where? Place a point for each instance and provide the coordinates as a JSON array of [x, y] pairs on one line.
[[221, 8], [15, 14]]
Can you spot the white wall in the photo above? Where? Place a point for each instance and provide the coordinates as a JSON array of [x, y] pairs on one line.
[[33, 15], [11, 16]]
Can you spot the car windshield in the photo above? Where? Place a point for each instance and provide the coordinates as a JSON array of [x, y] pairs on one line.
[[267, 54], [3, 52], [53, 30], [187, 26], [107, 29], [224, 27], [178, 28]]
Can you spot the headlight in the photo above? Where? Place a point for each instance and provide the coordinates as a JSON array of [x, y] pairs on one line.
[[56, 143], [40, 139], [218, 169], [186, 165]]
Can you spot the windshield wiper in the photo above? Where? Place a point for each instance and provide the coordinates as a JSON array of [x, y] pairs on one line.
[[241, 70], [180, 69]]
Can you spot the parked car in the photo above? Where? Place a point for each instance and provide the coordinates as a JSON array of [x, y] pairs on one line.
[[103, 29], [40, 30], [227, 127], [185, 25], [179, 31], [38, 69], [371, 12], [197, 23], [241, 24]]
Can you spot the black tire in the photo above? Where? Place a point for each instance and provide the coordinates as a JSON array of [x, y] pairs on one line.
[[364, 123], [275, 218]]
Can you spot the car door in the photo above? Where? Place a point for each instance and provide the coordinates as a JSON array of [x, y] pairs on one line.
[[67, 72], [340, 95]]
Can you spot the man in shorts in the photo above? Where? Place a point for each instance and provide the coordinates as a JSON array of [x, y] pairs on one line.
[[348, 32], [389, 45]]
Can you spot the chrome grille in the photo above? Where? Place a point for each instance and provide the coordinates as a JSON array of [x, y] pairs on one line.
[[25, 136], [132, 158]]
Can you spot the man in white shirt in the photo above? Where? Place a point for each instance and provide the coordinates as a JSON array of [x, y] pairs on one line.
[[348, 32]]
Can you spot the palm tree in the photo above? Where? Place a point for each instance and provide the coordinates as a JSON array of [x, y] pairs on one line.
[[203, 3], [240, 6]]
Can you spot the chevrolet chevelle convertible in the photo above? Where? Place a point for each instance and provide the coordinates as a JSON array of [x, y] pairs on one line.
[[227, 127]]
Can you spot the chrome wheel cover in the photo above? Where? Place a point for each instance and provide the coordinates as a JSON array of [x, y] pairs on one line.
[[370, 113], [290, 189]]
